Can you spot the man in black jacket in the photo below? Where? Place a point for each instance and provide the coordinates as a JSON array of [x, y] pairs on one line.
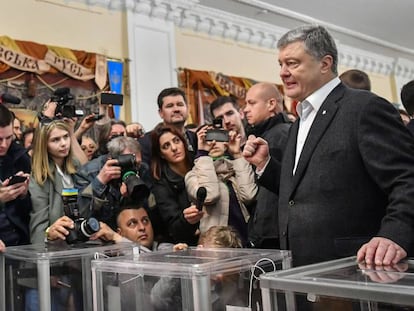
[[264, 114], [15, 204]]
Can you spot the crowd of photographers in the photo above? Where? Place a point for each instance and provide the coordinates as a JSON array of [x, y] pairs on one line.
[[76, 173]]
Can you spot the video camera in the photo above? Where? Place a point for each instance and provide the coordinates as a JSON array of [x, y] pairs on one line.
[[64, 109], [217, 133], [83, 228], [137, 189]]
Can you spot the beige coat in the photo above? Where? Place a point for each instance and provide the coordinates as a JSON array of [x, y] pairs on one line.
[[211, 174]]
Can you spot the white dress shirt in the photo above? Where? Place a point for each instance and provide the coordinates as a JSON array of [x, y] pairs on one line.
[[307, 110]]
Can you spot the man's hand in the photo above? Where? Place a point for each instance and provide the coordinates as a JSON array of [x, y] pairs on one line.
[[192, 214], [256, 151], [2, 246], [12, 192], [110, 171], [59, 229], [180, 247], [381, 251], [49, 109], [106, 234]]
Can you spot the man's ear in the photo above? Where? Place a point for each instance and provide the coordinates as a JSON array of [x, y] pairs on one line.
[[326, 64], [271, 104], [119, 231], [241, 112]]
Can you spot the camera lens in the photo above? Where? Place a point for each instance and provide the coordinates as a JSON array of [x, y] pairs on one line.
[[90, 226]]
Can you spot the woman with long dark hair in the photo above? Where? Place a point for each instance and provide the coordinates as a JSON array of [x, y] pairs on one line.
[[170, 163]]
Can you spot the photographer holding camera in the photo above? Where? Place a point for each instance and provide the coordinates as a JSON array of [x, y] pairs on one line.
[[227, 177], [103, 182], [58, 108]]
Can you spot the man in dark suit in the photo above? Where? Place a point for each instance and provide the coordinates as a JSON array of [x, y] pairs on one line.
[[347, 176]]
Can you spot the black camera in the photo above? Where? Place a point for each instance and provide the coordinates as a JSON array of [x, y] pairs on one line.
[[64, 109], [137, 189], [83, 228], [217, 133]]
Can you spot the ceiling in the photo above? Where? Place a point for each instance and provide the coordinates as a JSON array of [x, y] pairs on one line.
[[386, 23]]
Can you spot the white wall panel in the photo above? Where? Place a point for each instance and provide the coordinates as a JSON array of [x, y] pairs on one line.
[[152, 65]]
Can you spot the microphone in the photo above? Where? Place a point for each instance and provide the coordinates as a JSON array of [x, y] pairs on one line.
[[8, 98], [201, 196]]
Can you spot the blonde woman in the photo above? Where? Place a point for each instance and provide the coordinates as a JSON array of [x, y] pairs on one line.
[[53, 166]]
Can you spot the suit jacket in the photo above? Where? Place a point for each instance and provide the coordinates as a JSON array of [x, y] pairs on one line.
[[354, 179], [47, 205]]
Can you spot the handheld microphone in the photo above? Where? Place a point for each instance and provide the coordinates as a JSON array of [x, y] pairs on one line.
[[201, 196], [8, 98]]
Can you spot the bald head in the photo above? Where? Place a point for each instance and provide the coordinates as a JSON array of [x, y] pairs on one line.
[[263, 100]]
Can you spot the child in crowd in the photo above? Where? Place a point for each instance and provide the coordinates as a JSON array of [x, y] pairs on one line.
[[220, 237], [166, 293]]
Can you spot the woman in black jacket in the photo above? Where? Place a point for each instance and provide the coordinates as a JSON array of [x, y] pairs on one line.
[[169, 164]]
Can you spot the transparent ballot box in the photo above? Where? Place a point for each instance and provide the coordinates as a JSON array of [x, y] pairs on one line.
[[52, 276], [340, 284], [193, 279]]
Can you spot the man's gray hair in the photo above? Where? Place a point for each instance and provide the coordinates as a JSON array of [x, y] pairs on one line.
[[317, 40], [117, 145]]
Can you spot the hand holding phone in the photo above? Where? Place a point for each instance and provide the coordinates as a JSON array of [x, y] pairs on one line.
[[95, 117], [16, 179]]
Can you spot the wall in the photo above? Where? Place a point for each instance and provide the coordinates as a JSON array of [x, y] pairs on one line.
[[73, 26], [95, 29], [201, 52], [76, 26]]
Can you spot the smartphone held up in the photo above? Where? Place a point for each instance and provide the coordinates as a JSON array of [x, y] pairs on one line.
[[112, 99]]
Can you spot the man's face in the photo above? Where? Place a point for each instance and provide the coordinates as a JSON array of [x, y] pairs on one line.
[[258, 108], [300, 72], [174, 110], [135, 225], [6, 138], [232, 118]]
